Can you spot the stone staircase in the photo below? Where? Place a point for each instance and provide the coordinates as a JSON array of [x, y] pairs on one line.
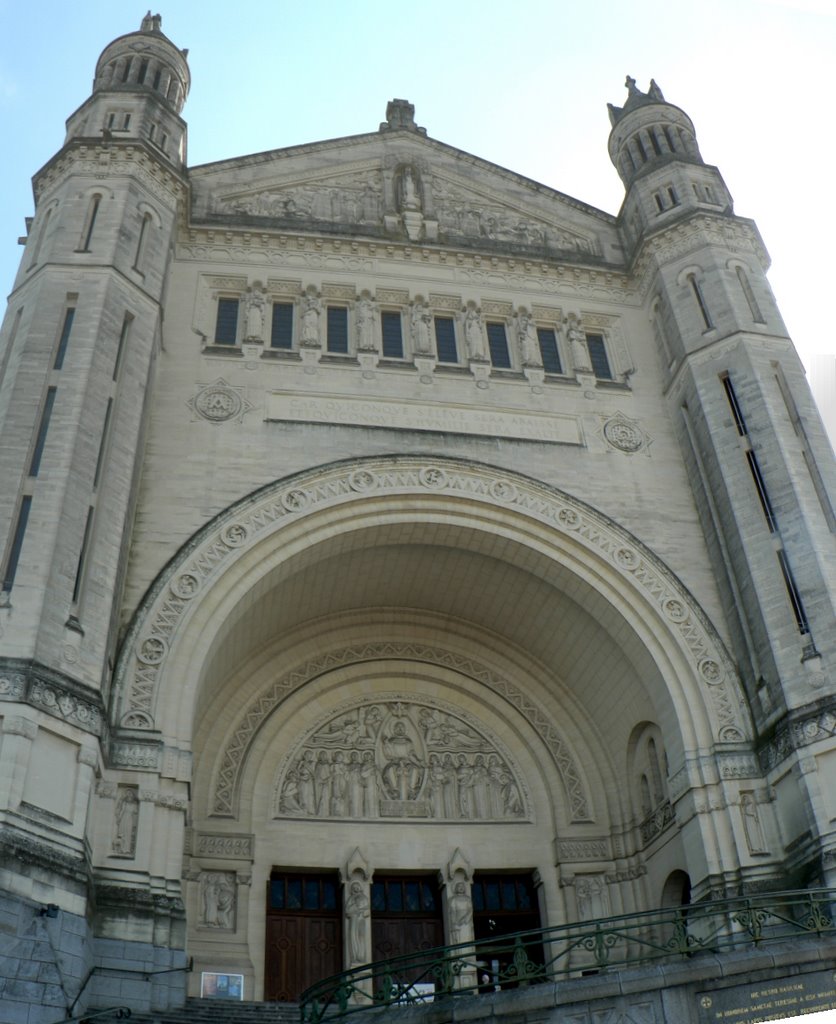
[[221, 1011]]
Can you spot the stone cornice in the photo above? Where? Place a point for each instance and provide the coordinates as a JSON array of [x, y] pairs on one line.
[[800, 728], [56, 694]]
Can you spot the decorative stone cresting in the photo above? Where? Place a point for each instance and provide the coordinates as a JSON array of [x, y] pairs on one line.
[[214, 548]]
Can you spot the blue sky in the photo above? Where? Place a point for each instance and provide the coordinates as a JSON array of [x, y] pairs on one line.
[[524, 85]]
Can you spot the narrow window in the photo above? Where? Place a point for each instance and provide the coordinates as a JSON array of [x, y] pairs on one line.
[[7, 354], [41, 236], [641, 148], [281, 326], [660, 206], [734, 405], [143, 71], [549, 350], [157, 75], [498, 345], [657, 149], [337, 330], [709, 195], [103, 443], [152, 131], [670, 139], [111, 120], [696, 190], [749, 295], [126, 123], [120, 349], [64, 339], [163, 141], [82, 555], [90, 223], [141, 241], [672, 196], [760, 487], [40, 441], [226, 327], [598, 356], [445, 339], [801, 620], [17, 543], [392, 331], [127, 69], [695, 288]]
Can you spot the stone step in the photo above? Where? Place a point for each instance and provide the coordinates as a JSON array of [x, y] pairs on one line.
[[221, 1011]]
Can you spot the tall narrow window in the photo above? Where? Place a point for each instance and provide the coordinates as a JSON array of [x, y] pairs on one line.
[[226, 326], [103, 443], [43, 427], [157, 75], [801, 620], [143, 71], [445, 339], [763, 494], [392, 331], [17, 543], [40, 239], [734, 405], [498, 346], [7, 353], [598, 356], [549, 351], [749, 295], [127, 69], [142, 241], [82, 555], [281, 325], [337, 323], [90, 223], [698, 295], [64, 339], [123, 340]]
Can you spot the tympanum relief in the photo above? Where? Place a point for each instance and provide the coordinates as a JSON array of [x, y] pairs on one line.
[[399, 759]]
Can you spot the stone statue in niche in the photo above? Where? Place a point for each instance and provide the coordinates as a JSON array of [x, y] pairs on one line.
[[460, 911], [366, 334], [217, 899], [125, 822], [755, 839], [593, 898], [410, 196], [311, 309], [399, 759], [357, 913], [529, 343], [421, 325], [255, 315], [577, 344], [474, 335]]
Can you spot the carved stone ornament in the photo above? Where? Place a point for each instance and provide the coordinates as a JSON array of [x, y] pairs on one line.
[[219, 401], [249, 521], [625, 434], [125, 822], [224, 846], [217, 900], [399, 759]]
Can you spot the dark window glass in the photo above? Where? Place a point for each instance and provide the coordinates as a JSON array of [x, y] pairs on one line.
[[498, 345], [478, 896], [329, 896], [64, 339], [294, 894], [123, 337], [157, 76], [413, 896], [143, 71], [378, 896], [428, 900], [226, 328], [281, 328], [35, 465], [277, 894], [445, 339], [523, 896], [598, 356], [492, 895], [17, 543], [92, 213], [509, 895], [82, 555], [312, 895], [548, 350], [392, 335], [103, 443], [395, 897], [338, 329]]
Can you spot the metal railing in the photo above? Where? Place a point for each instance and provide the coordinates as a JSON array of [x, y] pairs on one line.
[[589, 947]]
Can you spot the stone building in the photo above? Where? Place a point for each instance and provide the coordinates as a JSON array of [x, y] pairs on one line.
[[379, 525]]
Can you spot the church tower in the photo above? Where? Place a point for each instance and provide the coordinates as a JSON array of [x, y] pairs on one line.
[[752, 441], [82, 331]]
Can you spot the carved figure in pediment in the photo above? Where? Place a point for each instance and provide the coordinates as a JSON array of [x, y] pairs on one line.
[[255, 315], [311, 310], [126, 819], [322, 784], [403, 771], [410, 195], [370, 782], [421, 329], [529, 344], [474, 336], [290, 799], [366, 334]]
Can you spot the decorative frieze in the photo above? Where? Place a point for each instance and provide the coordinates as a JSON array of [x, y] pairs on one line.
[[224, 846], [656, 823], [53, 693], [583, 850]]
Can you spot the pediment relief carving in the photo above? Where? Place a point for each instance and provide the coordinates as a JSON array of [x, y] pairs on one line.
[[395, 758]]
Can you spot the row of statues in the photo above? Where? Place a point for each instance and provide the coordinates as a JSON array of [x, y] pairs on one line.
[[421, 320]]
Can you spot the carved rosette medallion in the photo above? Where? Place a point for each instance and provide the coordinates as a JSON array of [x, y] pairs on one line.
[[396, 759], [219, 401], [625, 434]]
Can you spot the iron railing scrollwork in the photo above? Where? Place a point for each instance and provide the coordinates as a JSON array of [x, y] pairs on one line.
[[588, 947]]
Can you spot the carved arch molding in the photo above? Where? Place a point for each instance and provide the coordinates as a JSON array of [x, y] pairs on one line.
[[214, 550]]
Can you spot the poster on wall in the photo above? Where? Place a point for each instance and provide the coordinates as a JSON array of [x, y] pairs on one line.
[[221, 986]]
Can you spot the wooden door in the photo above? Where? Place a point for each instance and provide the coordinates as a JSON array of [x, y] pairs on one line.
[[503, 905], [304, 933], [406, 918]]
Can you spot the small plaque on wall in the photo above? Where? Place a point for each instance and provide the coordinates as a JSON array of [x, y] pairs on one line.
[[221, 986]]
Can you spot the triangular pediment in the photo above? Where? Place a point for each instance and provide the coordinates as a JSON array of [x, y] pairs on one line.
[[399, 186]]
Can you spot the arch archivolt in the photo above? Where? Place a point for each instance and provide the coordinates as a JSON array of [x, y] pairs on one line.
[[163, 651]]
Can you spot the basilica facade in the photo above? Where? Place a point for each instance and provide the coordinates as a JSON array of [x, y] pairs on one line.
[[379, 527]]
